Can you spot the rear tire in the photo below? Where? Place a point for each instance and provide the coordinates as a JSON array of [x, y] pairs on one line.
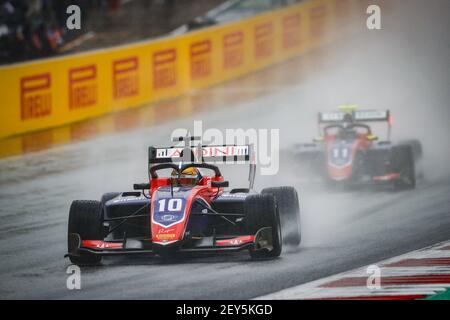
[[86, 219], [261, 211], [403, 163], [289, 209]]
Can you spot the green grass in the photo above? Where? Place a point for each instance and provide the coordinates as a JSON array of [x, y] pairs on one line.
[[444, 295]]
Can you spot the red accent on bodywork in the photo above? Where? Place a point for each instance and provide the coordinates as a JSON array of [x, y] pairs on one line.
[[391, 120], [344, 172], [177, 230], [98, 244], [340, 173], [160, 182], [205, 181], [160, 234], [387, 177], [238, 241]]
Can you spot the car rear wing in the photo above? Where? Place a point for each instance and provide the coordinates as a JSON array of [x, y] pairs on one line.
[[358, 116], [200, 154], [337, 117], [212, 154]]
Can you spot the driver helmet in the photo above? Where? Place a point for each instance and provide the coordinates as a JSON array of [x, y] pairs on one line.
[[188, 177], [348, 120]]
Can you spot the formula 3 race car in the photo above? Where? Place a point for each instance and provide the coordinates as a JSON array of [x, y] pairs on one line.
[[347, 152], [187, 211]]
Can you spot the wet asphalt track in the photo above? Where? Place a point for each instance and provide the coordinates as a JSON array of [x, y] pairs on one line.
[[404, 67]]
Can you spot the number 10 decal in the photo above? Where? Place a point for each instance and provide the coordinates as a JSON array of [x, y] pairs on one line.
[[169, 211], [172, 205]]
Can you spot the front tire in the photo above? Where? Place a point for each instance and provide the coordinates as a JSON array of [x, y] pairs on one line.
[[261, 211], [86, 220], [289, 208]]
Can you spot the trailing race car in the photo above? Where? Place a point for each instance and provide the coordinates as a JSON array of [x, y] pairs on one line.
[[348, 152], [188, 211]]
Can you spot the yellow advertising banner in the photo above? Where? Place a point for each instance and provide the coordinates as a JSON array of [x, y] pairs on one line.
[[53, 92]]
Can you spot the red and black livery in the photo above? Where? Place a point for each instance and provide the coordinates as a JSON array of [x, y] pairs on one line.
[[165, 217], [347, 152]]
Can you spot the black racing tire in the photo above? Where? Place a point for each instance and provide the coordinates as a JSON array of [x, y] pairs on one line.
[[416, 146], [289, 209], [417, 150], [86, 219], [261, 211], [403, 163], [108, 196]]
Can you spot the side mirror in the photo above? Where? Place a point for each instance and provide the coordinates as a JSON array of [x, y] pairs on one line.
[[372, 137], [220, 184], [141, 186], [318, 139]]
